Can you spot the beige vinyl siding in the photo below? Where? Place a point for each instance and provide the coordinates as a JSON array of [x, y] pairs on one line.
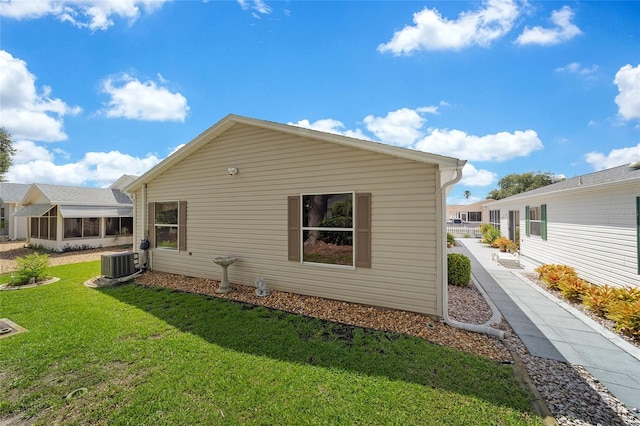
[[246, 216]]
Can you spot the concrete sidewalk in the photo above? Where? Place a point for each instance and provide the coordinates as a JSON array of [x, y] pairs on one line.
[[551, 328]]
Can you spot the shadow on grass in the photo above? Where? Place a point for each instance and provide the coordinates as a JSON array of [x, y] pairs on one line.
[[294, 338]]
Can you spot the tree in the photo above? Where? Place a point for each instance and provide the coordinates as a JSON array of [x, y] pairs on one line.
[[516, 183], [467, 194], [6, 152]]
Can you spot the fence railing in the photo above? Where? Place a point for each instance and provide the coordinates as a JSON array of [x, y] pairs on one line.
[[460, 231]]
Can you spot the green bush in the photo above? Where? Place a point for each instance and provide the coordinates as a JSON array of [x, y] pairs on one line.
[[458, 269], [451, 239], [32, 266], [490, 235], [484, 227]]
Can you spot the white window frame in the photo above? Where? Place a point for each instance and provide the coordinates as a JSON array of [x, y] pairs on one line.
[[538, 221], [157, 225], [307, 228]]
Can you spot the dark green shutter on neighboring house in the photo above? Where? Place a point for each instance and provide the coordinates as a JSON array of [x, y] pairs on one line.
[[543, 222], [526, 221]]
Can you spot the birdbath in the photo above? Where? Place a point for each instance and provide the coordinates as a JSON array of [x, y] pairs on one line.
[[224, 261]]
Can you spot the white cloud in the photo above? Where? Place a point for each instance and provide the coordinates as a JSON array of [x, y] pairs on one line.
[[500, 146], [330, 125], [27, 151], [564, 30], [258, 5], [577, 68], [137, 100], [474, 177], [616, 157], [92, 14], [628, 100], [401, 127], [27, 114], [33, 164], [431, 31]]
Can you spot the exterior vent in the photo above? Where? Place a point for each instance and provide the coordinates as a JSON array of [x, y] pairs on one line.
[[119, 265], [635, 165]]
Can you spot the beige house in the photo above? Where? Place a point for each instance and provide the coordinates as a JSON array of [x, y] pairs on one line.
[[313, 213]]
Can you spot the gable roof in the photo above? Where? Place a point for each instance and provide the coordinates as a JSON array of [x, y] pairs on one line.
[[74, 195], [627, 173], [12, 192], [230, 120]]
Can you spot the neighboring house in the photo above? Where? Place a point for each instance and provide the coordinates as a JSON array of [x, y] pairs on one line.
[[590, 222], [313, 213], [12, 227], [61, 217], [474, 213]]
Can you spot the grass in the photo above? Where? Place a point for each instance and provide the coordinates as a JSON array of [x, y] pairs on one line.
[[153, 356]]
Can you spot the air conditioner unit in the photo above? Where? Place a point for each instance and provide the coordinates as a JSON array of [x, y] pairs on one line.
[[117, 265]]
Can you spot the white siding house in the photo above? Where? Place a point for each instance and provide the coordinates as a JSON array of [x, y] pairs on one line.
[[590, 222], [12, 227], [313, 213], [68, 217]]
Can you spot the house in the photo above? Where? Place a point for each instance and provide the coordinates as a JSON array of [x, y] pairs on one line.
[[311, 212], [62, 217], [11, 227], [474, 213], [590, 222]]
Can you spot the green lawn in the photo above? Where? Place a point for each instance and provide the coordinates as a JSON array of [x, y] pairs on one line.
[[152, 356]]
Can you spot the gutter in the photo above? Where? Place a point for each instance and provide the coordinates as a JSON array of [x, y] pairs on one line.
[[476, 328]]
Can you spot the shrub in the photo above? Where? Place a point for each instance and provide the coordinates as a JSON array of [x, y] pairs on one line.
[[484, 227], [628, 294], [458, 269], [626, 316], [451, 239], [501, 242], [572, 287], [491, 235], [33, 266], [552, 274], [598, 298]]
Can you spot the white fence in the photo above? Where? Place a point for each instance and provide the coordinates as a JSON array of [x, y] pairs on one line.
[[459, 231]]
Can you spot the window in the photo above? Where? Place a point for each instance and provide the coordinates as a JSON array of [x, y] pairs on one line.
[[536, 220], [474, 217], [330, 229], [81, 227], [494, 218], [167, 225], [45, 226], [118, 226], [327, 229]]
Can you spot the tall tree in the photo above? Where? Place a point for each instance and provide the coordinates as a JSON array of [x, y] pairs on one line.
[[467, 194], [7, 151], [516, 183]]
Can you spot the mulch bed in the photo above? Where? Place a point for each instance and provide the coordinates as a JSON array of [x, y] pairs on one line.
[[348, 313]]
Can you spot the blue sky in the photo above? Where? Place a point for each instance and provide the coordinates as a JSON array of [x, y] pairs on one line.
[[90, 90]]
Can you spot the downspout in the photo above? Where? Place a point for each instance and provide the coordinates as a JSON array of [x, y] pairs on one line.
[[476, 328]]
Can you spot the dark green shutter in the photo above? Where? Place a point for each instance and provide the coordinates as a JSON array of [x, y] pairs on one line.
[[526, 221], [543, 222]]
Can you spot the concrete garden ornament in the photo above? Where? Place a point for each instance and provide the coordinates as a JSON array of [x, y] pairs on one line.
[[261, 288]]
